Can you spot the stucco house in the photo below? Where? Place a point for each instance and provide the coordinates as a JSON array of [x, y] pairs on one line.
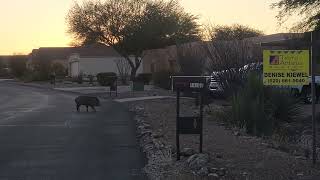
[[89, 64], [90, 59]]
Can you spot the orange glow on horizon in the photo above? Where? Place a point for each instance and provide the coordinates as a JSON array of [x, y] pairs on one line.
[[26, 25]]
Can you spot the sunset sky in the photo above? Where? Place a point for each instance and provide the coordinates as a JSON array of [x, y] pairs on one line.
[[26, 25]]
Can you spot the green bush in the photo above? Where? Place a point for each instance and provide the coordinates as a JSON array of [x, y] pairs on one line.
[[144, 77], [18, 66], [79, 79], [262, 110], [162, 79], [107, 79], [58, 69], [41, 70]]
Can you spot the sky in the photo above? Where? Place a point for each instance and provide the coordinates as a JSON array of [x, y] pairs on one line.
[[30, 24]]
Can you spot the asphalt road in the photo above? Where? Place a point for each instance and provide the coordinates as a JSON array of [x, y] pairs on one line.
[[42, 137]]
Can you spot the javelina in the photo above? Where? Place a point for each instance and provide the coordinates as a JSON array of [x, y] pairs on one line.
[[87, 101]]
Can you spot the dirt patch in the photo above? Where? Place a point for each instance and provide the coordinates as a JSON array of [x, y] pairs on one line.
[[239, 156]]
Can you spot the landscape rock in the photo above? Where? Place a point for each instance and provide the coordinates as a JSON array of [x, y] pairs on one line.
[[236, 133], [222, 172], [158, 135], [187, 152], [300, 174], [203, 171], [197, 161], [214, 170], [213, 175], [219, 156]]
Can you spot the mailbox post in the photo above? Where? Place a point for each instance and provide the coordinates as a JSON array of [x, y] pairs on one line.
[[192, 124]]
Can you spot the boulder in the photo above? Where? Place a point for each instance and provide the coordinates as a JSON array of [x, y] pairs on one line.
[[197, 161], [203, 171], [187, 152]]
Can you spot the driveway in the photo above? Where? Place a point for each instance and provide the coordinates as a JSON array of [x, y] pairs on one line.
[[42, 137]]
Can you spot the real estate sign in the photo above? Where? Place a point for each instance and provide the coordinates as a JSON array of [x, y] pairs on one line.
[[286, 67]]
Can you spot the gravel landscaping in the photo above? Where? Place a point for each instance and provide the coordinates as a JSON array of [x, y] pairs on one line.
[[228, 153]]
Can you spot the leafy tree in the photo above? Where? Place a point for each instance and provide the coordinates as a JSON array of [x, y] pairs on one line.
[[233, 32], [132, 26], [17, 65], [58, 69], [307, 9], [41, 70]]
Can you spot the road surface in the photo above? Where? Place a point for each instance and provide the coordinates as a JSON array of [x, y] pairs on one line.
[[42, 137]]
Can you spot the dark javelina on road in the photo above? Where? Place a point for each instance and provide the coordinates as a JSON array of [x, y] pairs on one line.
[[87, 101]]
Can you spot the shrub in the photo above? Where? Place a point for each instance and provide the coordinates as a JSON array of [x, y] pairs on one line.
[[41, 70], [262, 110], [162, 79], [191, 59], [91, 79], [144, 77], [58, 69], [17, 66], [79, 79], [107, 79]]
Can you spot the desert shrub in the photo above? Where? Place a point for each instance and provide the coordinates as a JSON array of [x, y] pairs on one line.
[[4, 72], [144, 77], [228, 58], [79, 79], [107, 79], [248, 107], [18, 66], [58, 69], [191, 59], [262, 110], [162, 79], [91, 79], [41, 70]]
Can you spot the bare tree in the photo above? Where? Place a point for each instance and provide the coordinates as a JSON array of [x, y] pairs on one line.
[[191, 59], [123, 69], [228, 59]]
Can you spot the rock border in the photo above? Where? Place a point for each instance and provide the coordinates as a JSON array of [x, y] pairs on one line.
[[158, 154]]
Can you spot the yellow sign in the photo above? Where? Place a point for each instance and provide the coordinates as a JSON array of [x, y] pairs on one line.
[[286, 67]]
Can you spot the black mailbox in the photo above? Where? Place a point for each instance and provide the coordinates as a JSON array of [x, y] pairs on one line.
[[189, 125]]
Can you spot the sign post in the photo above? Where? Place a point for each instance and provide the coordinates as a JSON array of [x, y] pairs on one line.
[[194, 124], [301, 68]]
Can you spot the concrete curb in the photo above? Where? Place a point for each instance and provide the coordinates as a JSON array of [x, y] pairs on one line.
[[41, 87]]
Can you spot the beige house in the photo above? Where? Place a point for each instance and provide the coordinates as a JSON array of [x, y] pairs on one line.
[[91, 59], [80, 63]]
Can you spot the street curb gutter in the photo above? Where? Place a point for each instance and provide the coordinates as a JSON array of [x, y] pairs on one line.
[[41, 87]]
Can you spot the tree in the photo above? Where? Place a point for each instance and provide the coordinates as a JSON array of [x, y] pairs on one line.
[[58, 69], [227, 59], [307, 9], [17, 65], [123, 69], [41, 70], [3, 69], [132, 26], [231, 33]]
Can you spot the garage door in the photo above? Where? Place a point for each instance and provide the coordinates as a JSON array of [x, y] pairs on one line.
[[75, 69]]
